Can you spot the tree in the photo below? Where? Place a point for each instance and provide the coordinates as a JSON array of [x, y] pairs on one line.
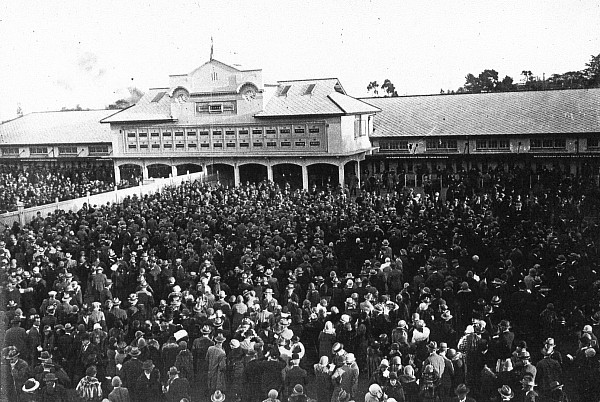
[[373, 86], [592, 72], [390, 89], [506, 85], [472, 84], [135, 95], [488, 80]]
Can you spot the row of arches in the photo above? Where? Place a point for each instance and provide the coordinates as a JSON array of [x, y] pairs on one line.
[[320, 175]]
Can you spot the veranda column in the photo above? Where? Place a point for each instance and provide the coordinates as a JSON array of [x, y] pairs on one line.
[[236, 175], [305, 177], [117, 175], [145, 172], [173, 171], [270, 172], [341, 175]]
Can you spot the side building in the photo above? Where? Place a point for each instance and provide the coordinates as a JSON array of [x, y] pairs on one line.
[[224, 121], [557, 130], [57, 139]]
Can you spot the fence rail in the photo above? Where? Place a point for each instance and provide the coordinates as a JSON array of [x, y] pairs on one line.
[[116, 196]]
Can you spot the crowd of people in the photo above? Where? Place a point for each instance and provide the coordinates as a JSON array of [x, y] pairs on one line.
[[261, 293], [38, 185]]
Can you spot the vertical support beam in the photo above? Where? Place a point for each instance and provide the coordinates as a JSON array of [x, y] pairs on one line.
[[173, 171], [145, 172], [358, 173], [117, 175], [341, 174], [305, 177], [269, 172], [236, 175]]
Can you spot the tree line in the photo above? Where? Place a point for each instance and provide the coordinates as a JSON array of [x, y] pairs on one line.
[[488, 80]]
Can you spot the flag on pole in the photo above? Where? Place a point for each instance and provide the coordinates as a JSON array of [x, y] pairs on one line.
[[211, 48]]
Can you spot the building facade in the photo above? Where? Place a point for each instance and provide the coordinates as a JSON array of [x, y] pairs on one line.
[[533, 130], [226, 122], [66, 138]]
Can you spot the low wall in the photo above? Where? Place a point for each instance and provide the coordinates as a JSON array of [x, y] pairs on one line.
[[25, 215]]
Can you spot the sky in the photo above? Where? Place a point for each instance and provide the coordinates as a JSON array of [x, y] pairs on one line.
[[56, 54]]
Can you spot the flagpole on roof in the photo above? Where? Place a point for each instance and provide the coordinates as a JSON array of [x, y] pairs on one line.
[[211, 48]]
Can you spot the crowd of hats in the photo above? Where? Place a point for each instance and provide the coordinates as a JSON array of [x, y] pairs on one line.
[[199, 237], [40, 185]]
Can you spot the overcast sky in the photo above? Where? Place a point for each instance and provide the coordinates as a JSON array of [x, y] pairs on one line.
[[64, 53]]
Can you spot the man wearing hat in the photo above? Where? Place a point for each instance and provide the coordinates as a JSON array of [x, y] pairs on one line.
[[52, 390], [294, 375], [199, 348], [434, 359], [527, 393], [99, 281], [16, 336], [148, 386], [524, 365], [461, 393], [217, 364], [132, 369], [19, 370], [31, 390], [394, 388], [176, 387], [548, 369]]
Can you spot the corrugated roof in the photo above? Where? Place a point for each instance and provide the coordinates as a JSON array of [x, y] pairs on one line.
[[505, 113], [151, 107], [312, 97], [68, 127]]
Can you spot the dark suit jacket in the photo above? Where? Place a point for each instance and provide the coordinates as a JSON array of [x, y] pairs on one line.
[[147, 389], [178, 389], [130, 372]]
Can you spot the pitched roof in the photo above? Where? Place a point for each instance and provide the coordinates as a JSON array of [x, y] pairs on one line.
[[68, 127], [151, 107], [313, 97], [505, 113]]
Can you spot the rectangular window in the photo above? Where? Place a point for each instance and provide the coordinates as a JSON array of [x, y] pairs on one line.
[[179, 146], [167, 134], [547, 143], [228, 107], [493, 144], [244, 145], [243, 132], [154, 134], [191, 133], [15, 151], [284, 90], [204, 145], [560, 143], [218, 145], [217, 132], [132, 146], [215, 108], [536, 143], [67, 150], [229, 132], [384, 146], [300, 143], [143, 146], [284, 130], [503, 144], [298, 131], [431, 144], [315, 143], [155, 146], [257, 144], [167, 145], [130, 135], [256, 131], [593, 142], [178, 133], [38, 150], [98, 149], [271, 144], [231, 145], [313, 130], [193, 145], [481, 144], [143, 135], [286, 143], [452, 144], [203, 133], [271, 131]]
